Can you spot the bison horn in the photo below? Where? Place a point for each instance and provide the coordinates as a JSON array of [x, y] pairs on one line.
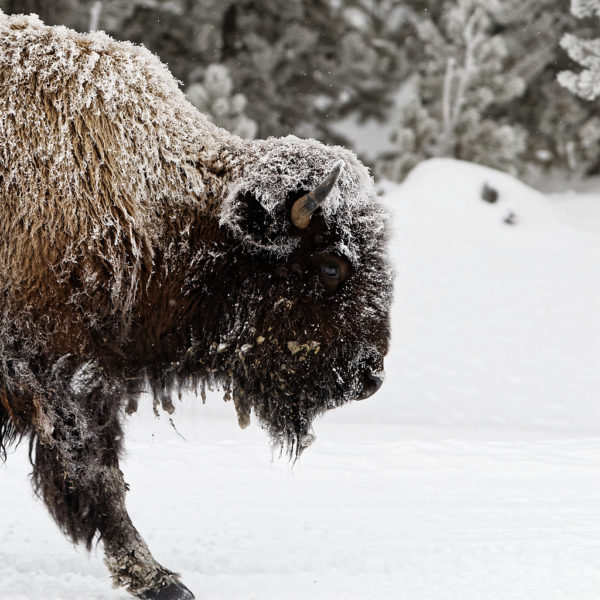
[[304, 207]]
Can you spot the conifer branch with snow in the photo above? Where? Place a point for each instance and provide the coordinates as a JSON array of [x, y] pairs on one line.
[[586, 52]]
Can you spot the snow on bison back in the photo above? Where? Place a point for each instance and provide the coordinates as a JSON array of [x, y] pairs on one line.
[[143, 247]]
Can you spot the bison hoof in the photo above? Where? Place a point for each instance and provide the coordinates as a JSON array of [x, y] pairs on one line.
[[172, 591]]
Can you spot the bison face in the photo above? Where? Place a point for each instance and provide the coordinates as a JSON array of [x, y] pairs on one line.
[[305, 327]]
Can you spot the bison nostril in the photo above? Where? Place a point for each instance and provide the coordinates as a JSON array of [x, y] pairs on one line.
[[371, 385], [374, 381]]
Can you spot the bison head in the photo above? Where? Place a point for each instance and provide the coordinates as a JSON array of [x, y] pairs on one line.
[[304, 322]]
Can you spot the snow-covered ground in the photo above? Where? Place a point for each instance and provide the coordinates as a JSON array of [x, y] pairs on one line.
[[473, 474]]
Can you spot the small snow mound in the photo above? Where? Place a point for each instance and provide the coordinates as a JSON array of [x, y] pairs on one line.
[[454, 192]]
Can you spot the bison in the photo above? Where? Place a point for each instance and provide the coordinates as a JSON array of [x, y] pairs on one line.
[[142, 248]]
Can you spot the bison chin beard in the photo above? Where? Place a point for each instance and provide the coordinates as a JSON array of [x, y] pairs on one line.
[[287, 419], [287, 401]]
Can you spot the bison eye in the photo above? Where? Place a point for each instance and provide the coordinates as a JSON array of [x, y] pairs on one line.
[[331, 270]]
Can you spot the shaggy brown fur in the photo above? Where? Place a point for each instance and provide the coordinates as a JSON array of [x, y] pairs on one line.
[[142, 246]]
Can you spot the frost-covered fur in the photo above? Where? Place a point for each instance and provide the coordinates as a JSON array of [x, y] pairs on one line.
[[141, 246]]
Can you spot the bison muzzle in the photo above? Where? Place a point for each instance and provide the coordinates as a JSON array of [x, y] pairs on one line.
[[142, 248]]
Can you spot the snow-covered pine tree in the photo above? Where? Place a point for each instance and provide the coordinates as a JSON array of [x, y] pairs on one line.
[[586, 52], [582, 152], [550, 127], [375, 55], [215, 98], [415, 132], [462, 77], [303, 64]]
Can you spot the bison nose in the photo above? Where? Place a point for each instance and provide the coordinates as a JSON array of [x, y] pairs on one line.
[[371, 385]]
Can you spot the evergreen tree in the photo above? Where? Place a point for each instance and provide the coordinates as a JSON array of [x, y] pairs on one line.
[[414, 134], [586, 52], [462, 76], [305, 64], [583, 152], [503, 106]]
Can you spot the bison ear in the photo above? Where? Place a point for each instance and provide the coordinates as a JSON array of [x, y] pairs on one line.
[[255, 220], [259, 227]]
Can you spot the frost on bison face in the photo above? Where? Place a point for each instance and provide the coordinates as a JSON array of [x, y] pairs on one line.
[[143, 248], [303, 315]]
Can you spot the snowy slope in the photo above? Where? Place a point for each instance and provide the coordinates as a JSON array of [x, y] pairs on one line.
[[473, 474], [495, 325]]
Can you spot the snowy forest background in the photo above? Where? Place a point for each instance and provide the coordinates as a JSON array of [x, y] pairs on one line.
[[506, 83]]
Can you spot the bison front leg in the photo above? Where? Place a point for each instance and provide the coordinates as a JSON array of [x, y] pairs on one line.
[[76, 472], [131, 563]]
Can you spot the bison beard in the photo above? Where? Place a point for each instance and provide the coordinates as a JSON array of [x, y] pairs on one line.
[[142, 248], [277, 381]]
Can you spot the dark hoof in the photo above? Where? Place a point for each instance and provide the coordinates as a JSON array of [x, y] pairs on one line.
[[172, 591]]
